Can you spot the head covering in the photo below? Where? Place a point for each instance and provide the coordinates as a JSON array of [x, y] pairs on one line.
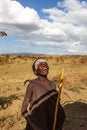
[[37, 62]]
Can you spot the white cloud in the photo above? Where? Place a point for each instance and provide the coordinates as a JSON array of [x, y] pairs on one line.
[[14, 16], [64, 28], [14, 12]]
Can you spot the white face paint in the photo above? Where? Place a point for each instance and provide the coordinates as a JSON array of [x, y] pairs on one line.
[[38, 62], [42, 69]]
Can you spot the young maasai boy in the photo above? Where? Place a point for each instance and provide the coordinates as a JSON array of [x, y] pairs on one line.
[[41, 95]]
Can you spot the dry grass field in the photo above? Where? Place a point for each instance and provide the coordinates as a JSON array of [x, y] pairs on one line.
[[14, 70]]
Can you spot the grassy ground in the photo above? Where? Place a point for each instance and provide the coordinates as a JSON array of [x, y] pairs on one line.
[[14, 70]]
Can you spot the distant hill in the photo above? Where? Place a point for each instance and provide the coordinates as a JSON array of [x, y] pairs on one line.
[[22, 54]]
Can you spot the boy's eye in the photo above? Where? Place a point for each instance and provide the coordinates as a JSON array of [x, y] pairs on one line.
[[42, 63]]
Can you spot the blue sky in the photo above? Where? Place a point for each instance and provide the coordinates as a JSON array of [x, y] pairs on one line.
[[44, 26]]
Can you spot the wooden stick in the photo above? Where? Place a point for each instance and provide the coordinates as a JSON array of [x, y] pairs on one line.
[[58, 100]]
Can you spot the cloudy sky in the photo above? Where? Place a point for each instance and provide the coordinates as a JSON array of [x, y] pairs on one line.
[[44, 26]]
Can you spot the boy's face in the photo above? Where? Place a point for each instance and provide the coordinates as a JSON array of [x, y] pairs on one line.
[[43, 69]]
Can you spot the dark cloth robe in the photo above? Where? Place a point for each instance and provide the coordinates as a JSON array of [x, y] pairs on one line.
[[42, 110]]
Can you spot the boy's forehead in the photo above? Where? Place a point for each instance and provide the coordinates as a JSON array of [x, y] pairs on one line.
[[42, 63]]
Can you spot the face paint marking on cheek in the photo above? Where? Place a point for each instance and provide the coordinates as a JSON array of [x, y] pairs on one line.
[[43, 69]]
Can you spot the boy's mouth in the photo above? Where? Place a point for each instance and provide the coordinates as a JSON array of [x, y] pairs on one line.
[[45, 68]]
